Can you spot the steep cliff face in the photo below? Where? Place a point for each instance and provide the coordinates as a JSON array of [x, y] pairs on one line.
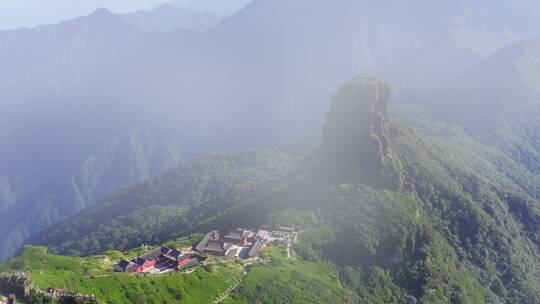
[[355, 141], [18, 284], [28, 206]]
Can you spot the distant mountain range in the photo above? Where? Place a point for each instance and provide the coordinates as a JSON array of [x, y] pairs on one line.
[[168, 18], [62, 147], [74, 94], [223, 8], [498, 101]]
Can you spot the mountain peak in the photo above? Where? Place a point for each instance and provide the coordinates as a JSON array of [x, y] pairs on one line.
[[354, 139], [102, 12], [167, 6]]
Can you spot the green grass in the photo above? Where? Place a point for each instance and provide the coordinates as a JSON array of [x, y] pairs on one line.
[[275, 280], [94, 275], [281, 280]]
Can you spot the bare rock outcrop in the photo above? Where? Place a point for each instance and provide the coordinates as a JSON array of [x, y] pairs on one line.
[[355, 142], [18, 284]]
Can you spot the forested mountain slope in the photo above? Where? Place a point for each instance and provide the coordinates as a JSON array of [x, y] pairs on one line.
[[69, 90], [37, 195], [63, 147], [169, 205], [498, 101], [406, 215]]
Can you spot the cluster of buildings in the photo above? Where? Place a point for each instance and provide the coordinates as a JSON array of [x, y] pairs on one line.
[[239, 243], [160, 260]]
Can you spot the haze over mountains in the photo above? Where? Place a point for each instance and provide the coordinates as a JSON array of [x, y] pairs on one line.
[[501, 101], [30, 13], [403, 215], [98, 103], [167, 18], [223, 8]]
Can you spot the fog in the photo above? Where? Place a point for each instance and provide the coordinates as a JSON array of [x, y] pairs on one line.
[[384, 108]]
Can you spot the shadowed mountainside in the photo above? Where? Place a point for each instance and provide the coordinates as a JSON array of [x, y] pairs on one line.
[[499, 102]]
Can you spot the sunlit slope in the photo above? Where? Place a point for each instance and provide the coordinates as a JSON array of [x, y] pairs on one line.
[[275, 278], [95, 276]]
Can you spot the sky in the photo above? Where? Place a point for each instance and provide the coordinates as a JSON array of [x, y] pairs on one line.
[[29, 13]]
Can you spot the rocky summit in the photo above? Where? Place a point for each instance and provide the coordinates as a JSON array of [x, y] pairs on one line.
[[355, 141]]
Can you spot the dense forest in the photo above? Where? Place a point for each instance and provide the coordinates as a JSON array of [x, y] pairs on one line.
[[402, 209]]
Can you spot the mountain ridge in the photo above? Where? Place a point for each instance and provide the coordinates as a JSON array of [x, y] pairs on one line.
[[500, 97]]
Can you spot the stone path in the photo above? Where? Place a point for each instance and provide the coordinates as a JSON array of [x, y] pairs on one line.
[[227, 292]]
